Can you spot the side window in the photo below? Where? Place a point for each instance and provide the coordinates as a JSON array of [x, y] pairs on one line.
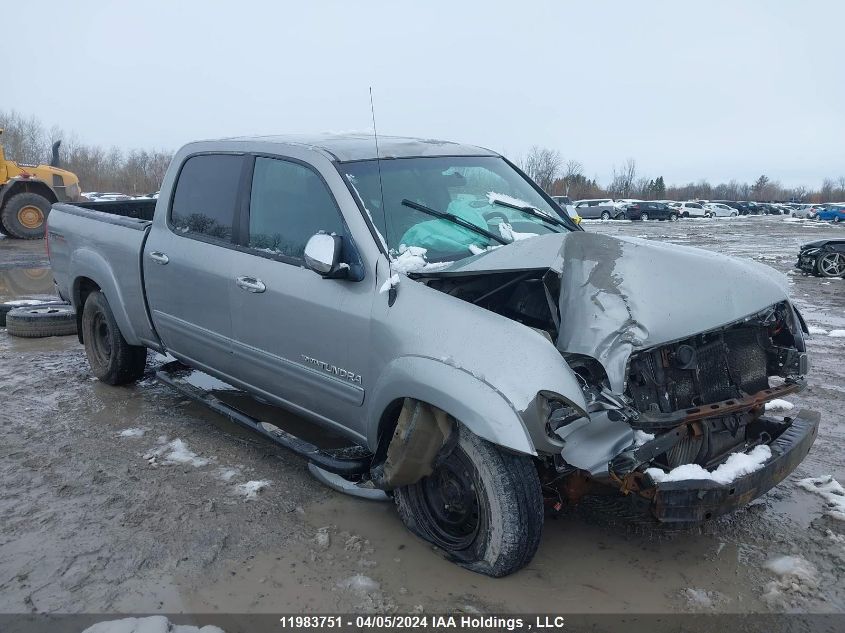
[[206, 195], [289, 204]]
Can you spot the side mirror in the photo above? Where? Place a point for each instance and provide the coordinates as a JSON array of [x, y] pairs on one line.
[[322, 255]]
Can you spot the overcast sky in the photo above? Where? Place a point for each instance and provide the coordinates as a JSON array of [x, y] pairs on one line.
[[691, 90]]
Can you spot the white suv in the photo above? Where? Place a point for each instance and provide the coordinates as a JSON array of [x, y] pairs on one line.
[[689, 209]]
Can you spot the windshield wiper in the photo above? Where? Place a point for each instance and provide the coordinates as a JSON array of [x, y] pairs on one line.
[[533, 212], [455, 219]]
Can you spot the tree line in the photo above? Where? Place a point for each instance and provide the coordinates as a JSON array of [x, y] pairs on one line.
[[560, 177], [134, 172], [139, 171]]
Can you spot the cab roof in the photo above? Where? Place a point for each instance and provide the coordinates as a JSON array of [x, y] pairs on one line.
[[360, 146]]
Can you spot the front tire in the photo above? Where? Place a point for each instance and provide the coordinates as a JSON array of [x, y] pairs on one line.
[[830, 265], [482, 506], [673, 217], [24, 216], [112, 359]]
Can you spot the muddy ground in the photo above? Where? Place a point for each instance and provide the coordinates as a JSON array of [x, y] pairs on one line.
[[94, 518]]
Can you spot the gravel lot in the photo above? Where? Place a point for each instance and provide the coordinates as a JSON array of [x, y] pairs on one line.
[[102, 510]]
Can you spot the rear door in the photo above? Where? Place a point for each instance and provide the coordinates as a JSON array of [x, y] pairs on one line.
[[295, 333], [187, 263]]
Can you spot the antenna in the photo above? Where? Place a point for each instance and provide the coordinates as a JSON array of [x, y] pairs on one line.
[[391, 294]]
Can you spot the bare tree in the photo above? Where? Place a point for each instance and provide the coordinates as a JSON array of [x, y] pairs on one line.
[[543, 166], [623, 179]]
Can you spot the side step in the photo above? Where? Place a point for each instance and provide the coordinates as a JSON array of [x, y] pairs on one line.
[[346, 467]]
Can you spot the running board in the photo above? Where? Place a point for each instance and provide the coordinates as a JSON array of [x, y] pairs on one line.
[[346, 467]]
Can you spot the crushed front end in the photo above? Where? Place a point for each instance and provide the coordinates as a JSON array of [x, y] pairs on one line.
[[695, 408]]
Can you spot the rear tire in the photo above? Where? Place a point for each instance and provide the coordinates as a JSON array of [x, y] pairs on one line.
[[25, 215], [673, 217], [482, 506], [112, 360], [605, 215], [41, 321], [643, 216]]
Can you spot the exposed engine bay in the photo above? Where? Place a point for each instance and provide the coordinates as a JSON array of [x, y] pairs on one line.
[[696, 400]]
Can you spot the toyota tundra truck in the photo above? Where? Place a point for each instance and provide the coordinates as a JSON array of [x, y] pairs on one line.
[[486, 359]]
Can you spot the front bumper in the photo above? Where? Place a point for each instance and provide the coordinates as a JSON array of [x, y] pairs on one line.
[[694, 501], [807, 261]]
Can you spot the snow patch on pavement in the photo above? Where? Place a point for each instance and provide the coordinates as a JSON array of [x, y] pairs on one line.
[[152, 624], [797, 578], [814, 329], [830, 490], [737, 465], [250, 489], [175, 452], [359, 583], [836, 333], [134, 432]]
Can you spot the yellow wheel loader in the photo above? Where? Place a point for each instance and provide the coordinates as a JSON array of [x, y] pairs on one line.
[[28, 191]]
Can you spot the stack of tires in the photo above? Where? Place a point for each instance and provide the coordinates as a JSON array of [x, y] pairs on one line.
[[37, 319]]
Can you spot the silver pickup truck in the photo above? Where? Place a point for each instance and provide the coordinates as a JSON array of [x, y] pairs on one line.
[[484, 356]]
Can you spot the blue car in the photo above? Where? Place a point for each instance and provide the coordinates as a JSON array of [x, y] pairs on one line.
[[835, 213]]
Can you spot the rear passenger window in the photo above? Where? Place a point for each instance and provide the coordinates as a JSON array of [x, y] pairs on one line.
[[289, 204], [206, 194]]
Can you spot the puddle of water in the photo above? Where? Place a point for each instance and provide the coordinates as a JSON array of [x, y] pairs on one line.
[[26, 283]]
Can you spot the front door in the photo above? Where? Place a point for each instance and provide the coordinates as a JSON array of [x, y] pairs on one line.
[[187, 264], [297, 335]]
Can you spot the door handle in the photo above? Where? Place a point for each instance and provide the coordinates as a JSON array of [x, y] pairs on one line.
[[250, 284], [159, 257]]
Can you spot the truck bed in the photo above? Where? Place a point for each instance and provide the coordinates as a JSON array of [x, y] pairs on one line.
[[101, 243]]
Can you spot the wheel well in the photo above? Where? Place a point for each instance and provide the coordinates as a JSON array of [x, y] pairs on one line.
[[386, 426], [82, 288], [28, 186]]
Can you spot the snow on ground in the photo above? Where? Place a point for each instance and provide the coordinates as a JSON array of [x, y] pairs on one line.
[[152, 624], [797, 577], [251, 489], [830, 490], [837, 333], [359, 583], [227, 474], [134, 432], [779, 405], [737, 465], [701, 598], [175, 452], [813, 329], [24, 302]]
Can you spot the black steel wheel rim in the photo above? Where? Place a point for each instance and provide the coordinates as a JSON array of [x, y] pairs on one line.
[[101, 341], [449, 500]]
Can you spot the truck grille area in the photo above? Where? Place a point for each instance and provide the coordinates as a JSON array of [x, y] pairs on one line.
[[704, 369]]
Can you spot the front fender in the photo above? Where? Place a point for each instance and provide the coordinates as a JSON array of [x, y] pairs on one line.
[[469, 399]]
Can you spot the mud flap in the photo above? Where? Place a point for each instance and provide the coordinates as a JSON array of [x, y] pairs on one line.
[[421, 435]]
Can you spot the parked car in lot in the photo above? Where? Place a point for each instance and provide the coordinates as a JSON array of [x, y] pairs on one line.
[[832, 213], [805, 211], [566, 204], [688, 209], [651, 211], [768, 208], [599, 208], [823, 258], [719, 210], [430, 308]]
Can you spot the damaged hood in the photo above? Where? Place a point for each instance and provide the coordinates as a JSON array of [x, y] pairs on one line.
[[621, 294]]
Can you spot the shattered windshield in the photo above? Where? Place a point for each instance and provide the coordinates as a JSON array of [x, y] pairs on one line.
[[421, 193]]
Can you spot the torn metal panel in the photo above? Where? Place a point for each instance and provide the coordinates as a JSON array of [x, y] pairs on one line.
[[421, 433], [592, 445]]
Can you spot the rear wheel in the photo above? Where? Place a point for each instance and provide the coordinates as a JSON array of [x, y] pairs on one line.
[[643, 216], [482, 506], [831, 265], [605, 215], [112, 359], [673, 217], [24, 216]]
